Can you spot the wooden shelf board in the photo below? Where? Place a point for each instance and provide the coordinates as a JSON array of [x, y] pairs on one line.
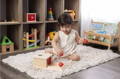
[[37, 22], [99, 35], [54, 21], [9, 23], [98, 42], [76, 20]]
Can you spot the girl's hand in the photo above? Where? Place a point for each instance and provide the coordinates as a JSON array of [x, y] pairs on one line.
[[80, 41], [85, 41], [59, 52]]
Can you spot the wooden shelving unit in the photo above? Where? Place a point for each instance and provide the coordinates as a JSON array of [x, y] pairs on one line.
[[13, 18], [108, 37]]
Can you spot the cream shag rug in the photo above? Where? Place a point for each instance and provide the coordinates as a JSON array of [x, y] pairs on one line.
[[89, 57]]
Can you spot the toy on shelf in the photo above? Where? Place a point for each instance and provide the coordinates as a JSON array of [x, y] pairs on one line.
[[71, 12], [7, 45], [31, 17], [50, 15], [49, 38], [30, 40], [48, 41]]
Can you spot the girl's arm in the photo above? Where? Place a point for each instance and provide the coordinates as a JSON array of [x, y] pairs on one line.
[[78, 39], [55, 44]]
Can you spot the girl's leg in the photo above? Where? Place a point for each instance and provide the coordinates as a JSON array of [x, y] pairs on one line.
[[74, 57], [49, 50]]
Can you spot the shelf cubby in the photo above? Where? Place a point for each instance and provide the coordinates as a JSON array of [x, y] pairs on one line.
[[9, 11], [40, 30], [12, 32], [34, 6], [57, 8], [51, 27]]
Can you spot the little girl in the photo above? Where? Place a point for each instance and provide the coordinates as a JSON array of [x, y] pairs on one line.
[[65, 41]]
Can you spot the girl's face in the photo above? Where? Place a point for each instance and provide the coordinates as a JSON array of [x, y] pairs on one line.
[[66, 29]]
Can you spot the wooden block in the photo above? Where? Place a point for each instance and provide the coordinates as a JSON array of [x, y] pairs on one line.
[[3, 49], [31, 17], [11, 48], [53, 66], [42, 60]]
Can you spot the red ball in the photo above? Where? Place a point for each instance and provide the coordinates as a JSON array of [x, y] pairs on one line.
[[85, 41], [61, 64], [61, 54]]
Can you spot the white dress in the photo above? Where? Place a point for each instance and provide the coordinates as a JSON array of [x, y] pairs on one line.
[[67, 42]]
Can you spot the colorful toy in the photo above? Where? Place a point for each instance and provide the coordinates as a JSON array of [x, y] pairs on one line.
[[50, 15], [31, 17], [51, 35], [71, 12], [30, 40], [49, 38], [7, 44]]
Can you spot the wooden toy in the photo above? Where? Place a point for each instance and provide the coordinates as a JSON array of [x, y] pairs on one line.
[[42, 60], [49, 38], [50, 15], [46, 61], [51, 35], [71, 12], [7, 45], [31, 17], [48, 41], [33, 39]]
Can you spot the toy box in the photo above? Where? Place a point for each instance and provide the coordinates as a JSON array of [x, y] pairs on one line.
[[42, 60], [31, 17]]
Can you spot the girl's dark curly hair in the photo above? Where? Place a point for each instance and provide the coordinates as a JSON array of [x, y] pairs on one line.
[[65, 19]]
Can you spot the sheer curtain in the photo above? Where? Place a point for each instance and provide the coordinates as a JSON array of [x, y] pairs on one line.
[[99, 10]]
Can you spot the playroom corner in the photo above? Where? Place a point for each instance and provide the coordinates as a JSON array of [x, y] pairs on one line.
[[33, 44]]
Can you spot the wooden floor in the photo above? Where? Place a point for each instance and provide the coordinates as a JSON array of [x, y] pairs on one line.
[[108, 70]]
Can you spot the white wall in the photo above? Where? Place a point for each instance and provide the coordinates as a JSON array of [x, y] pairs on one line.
[[85, 16]]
